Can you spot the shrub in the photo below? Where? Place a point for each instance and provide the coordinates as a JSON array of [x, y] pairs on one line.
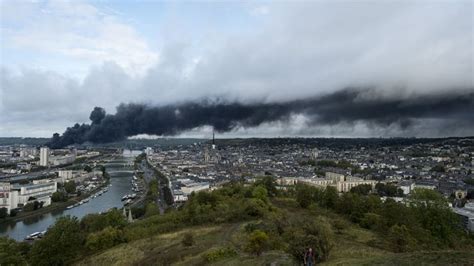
[[97, 222], [399, 238], [32, 206], [58, 196], [188, 239], [3, 213], [260, 192], [13, 212], [257, 242], [216, 254], [70, 186], [317, 235], [339, 225], [304, 195], [11, 252], [255, 208], [104, 239], [371, 221], [62, 243]]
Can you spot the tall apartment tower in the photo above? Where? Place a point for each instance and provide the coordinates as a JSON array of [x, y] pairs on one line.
[[213, 140], [44, 156]]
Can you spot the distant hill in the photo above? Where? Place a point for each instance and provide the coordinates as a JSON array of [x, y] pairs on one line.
[[25, 141], [320, 142]]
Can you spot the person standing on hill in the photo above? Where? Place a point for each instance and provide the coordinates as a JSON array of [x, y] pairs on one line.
[[309, 258]]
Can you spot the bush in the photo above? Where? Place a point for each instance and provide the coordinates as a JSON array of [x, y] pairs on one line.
[[97, 222], [257, 242], [260, 192], [317, 235], [32, 206], [58, 196], [372, 221], [339, 225], [188, 239], [104, 239], [3, 213], [151, 209], [11, 252], [363, 189], [138, 212], [62, 243], [399, 238], [70, 186], [304, 195], [13, 212], [216, 254], [255, 208]]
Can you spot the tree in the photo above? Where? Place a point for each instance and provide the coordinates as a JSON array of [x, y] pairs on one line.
[[87, 168], [363, 189], [97, 222], [269, 183], [58, 196], [399, 238], [3, 213], [11, 252], [259, 192], [371, 221], [304, 195], [188, 239], [70, 186], [151, 209], [317, 235], [434, 214], [330, 197], [61, 244], [438, 168], [339, 225], [257, 242], [32, 206], [168, 196], [388, 190]]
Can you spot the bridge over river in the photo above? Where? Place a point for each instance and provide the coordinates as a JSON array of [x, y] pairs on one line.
[[121, 172]]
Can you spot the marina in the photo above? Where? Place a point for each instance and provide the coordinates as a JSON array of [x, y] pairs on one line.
[[32, 228]]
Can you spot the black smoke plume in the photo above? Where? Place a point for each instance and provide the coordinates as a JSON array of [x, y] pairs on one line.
[[346, 106]]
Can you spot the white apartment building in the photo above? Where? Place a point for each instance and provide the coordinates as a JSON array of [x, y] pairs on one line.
[[13, 196], [65, 175], [60, 160], [189, 186], [44, 156], [341, 182]]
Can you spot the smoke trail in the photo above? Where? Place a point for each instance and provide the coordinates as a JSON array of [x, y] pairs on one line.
[[348, 105]]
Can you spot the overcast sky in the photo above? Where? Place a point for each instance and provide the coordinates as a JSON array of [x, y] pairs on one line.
[[60, 59]]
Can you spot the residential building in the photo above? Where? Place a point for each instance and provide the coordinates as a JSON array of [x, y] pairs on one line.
[[44, 156]]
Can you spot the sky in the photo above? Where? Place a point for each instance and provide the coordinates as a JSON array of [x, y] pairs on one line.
[[60, 59]]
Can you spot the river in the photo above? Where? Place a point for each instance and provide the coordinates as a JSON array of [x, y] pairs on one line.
[[120, 178]]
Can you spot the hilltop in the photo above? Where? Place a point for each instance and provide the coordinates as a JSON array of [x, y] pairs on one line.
[[256, 224], [353, 245]]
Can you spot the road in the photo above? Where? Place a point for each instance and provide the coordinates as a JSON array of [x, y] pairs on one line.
[[149, 175]]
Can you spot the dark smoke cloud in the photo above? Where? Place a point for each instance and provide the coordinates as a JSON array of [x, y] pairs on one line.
[[346, 106]]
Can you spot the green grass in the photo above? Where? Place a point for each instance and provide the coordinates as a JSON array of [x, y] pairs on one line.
[[353, 246]]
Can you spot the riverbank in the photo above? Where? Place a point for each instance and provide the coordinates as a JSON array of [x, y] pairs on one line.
[[55, 206]]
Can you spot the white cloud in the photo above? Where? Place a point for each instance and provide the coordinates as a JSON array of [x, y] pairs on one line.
[[77, 31]]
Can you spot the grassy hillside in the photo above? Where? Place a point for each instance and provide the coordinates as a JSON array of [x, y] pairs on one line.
[[353, 246], [256, 224]]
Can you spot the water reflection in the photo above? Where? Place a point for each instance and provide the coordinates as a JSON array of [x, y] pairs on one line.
[[120, 181]]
